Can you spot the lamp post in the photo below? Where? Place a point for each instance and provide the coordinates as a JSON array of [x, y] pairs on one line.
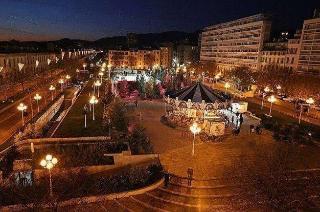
[[67, 79], [227, 86], [100, 74], [271, 99], [97, 84], [93, 101], [309, 101], [22, 107], [52, 89], [109, 70], [37, 97], [217, 77], [85, 111], [195, 129], [77, 71], [266, 90], [84, 66], [61, 82], [48, 163]]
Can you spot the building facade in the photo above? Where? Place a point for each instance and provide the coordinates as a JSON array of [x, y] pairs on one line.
[[186, 54], [140, 59], [309, 54], [9, 62], [236, 43], [273, 55], [166, 55]]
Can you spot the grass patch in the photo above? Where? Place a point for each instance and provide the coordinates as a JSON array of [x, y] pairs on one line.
[[73, 124]]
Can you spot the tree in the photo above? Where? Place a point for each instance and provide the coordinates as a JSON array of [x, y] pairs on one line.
[[241, 77], [118, 116], [139, 141]]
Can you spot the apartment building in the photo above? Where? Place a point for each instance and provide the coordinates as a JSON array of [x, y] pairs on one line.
[[166, 55], [236, 43], [273, 55], [140, 59], [309, 54]]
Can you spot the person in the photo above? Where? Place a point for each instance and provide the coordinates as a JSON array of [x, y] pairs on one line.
[[258, 130], [251, 128], [136, 102], [241, 119], [190, 174], [232, 119], [166, 179]]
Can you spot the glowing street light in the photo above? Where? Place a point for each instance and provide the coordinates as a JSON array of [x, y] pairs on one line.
[[227, 86], [309, 101], [84, 66], [217, 77], [109, 70], [77, 71], [195, 129], [266, 90], [93, 101], [48, 163], [22, 107], [97, 84], [37, 97], [61, 82], [100, 74], [271, 99], [52, 89]]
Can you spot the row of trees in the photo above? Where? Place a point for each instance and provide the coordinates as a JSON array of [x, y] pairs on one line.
[[293, 84]]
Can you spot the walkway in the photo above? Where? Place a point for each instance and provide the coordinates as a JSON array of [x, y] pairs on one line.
[[210, 159]]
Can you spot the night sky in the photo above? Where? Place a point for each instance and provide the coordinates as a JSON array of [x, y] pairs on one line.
[[94, 19]]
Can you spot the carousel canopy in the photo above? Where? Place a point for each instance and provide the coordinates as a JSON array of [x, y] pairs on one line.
[[199, 92]]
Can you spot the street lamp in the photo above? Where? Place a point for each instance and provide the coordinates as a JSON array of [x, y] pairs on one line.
[[85, 111], [22, 107], [195, 129], [100, 74], [48, 163], [309, 101], [68, 78], [77, 71], [109, 70], [266, 90], [37, 97], [271, 99], [84, 66], [97, 84], [52, 89], [61, 81], [227, 86], [93, 101], [217, 77]]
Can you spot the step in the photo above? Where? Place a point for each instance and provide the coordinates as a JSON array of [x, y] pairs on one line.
[[196, 194], [163, 204], [132, 204], [192, 202]]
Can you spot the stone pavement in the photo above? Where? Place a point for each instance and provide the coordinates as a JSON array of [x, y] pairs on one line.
[[210, 159]]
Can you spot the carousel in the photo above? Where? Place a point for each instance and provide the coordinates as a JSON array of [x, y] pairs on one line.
[[201, 104]]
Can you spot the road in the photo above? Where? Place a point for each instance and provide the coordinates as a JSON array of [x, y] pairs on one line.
[[10, 116], [281, 106]]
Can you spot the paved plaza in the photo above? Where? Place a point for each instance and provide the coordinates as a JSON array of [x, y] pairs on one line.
[[211, 159]]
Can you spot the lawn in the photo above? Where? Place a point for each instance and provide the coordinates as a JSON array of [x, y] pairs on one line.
[[73, 124]]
